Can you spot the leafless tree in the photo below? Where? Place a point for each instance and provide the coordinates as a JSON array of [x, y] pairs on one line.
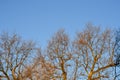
[[14, 55], [40, 69], [92, 55], [59, 54], [95, 53]]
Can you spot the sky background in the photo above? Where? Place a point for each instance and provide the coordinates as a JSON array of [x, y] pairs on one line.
[[40, 19]]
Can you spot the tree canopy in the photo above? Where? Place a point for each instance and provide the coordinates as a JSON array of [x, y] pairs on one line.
[[93, 54]]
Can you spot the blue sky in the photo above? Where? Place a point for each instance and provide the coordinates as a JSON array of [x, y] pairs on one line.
[[39, 19]]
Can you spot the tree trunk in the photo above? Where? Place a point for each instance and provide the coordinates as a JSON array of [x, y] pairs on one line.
[[90, 76]]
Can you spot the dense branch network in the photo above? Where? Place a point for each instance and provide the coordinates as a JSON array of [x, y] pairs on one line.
[[92, 55]]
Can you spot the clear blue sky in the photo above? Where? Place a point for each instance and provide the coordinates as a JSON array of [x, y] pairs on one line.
[[39, 19]]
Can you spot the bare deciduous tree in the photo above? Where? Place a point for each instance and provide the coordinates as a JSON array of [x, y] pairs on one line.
[[59, 55], [14, 54], [95, 53], [40, 69], [92, 55]]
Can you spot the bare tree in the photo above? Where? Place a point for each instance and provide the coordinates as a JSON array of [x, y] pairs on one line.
[[14, 55], [59, 55], [95, 53], [40, 69]]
